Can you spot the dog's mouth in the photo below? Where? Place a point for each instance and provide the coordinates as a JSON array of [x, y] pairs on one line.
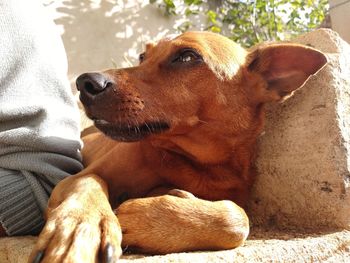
[[127, 132]]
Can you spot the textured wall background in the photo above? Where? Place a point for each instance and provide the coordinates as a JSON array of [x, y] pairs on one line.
[[339, 11], [101, 34]]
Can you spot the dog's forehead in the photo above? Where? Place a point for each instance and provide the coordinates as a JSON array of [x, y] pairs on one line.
[[221, 54], [210, 43], [166, 39]]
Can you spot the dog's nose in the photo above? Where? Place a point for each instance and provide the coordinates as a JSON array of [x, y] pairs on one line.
[[93, 83]]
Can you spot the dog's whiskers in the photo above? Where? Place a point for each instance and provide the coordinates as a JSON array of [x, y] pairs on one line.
[[149, 129], [203, 121]]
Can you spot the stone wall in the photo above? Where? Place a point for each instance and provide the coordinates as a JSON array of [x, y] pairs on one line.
[[303, 165]]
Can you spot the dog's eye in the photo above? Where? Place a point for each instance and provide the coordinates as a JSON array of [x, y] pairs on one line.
[[187, 56], [142, 57]]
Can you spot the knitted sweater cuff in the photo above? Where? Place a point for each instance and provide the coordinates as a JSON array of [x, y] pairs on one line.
[[19, 211]]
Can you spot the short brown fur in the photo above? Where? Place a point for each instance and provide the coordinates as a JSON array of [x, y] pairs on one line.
[[215, 112]]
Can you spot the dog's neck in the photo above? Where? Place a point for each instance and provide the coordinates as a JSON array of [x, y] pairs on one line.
[[202, 149], [211, 157], [215, 142]]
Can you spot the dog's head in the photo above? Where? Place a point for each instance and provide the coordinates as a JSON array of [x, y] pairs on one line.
[[198, 81]]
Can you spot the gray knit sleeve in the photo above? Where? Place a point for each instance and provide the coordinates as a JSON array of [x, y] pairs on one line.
[[39, 132]]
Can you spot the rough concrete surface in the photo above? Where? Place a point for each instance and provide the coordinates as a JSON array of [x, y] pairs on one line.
[[262, 247], [303, 165], [303, 176]]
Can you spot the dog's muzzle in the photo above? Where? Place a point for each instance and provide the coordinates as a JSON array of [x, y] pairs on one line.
[[103, 102]]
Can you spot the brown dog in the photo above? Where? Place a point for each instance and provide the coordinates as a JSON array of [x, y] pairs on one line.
[[186, 118]]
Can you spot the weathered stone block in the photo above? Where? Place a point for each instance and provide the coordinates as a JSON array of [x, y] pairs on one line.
[[304, 159], [262, 247]]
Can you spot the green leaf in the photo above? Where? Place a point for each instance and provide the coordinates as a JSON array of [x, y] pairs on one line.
[[193, 2], [184, 26], [215, 29], [189, 12], [169, 3]]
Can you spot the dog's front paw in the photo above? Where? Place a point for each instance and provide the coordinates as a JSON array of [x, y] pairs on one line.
[[170, 224], [78, 234]]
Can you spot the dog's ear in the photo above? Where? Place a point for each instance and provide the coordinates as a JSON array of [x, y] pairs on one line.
[[285, 67]]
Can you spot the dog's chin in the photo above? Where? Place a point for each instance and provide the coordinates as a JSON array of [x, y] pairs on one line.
[[125, 132]]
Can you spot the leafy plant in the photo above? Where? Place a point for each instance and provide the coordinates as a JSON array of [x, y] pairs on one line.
[[249, 21]]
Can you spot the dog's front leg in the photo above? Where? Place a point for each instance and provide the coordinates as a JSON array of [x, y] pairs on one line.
[[81, 226], [179, 222]]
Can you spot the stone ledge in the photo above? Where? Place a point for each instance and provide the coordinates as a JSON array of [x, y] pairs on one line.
[[262, 246]]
